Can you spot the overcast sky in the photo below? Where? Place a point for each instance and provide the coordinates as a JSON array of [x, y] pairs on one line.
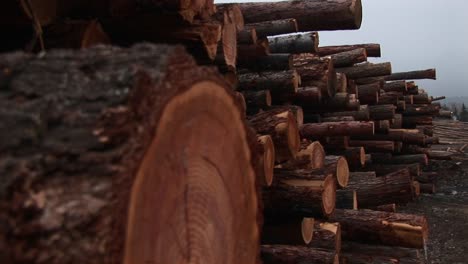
[[415, 34]]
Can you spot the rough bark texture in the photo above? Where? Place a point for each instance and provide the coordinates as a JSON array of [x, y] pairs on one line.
[[350, 128], [372, 50], [327, 236], [294, 43], [278, 82], [306, 96], [375, 227], [366, 70], [311, 156], [310, 15], [274, 27], [338, 166], [257, 99], [374, 252], [85, 130], [346, 199], [281, 254], [272, 62], [398, 135], [348, 58], [412, 75], [361, 115], [316, 71], [356, 156], [396, 86], [382, 112], [401, 159]]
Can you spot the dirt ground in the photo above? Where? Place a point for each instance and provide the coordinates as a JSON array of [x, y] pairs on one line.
[[447, 213]]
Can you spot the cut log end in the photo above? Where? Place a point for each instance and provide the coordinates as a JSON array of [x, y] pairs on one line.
[[307, 229], [329, 196], [294, 140], [268, 160]]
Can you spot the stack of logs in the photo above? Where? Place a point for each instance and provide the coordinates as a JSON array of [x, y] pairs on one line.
[[343, 141]]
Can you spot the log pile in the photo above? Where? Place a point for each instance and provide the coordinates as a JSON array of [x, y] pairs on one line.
[[321, 145]]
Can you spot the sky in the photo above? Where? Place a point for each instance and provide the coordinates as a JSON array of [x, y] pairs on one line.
[[414, 35]]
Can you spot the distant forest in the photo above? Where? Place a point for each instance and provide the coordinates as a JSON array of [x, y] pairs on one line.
[[458, 105]]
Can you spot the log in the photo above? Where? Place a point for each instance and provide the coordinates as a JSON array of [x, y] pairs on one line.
[[397, 122], [412, 75], [257, 99], [266, 161], [352, 87], [283, 129], [383, 228], [311, 131], [416, 188], [397, 253], [374, 145], [372, 50], [341, 83], [382, 112], [283, 254], [226, 57], [306, 96], [278, 82], [356, 156], [414, 121], [427, 188], [294, 109], [306, 193], [310, 15], [401, 135], [338, 166], [295, 231], [346, 199], [251, 52], [421, 99], [327, 236], [401, 106], [402, 159], [274, 27], [427, 130], [440, 155], [369, 93], [110, 166], [247, 37], [366, 70], [338, 119], [310, 156], [372, 191], [272, 62], [316, 71], [427, 177], [385, 208], [353, 258], [294, 43], [396, 86], [382, 126], [361, 115], [348, 58]]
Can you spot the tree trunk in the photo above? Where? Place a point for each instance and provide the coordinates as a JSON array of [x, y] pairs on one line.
[[266, 161], [338, 119], [274, 27], [397, 135], [440, 155], [295, 231], [327, 236], [348, 58], [247, 37], [283, 129], [311, 156], [278, 82], [336, 143], [316, 71], [346, 199], [374, 145], [301, 192], [412, 75], [338, 166], [110, 166], [366, 70], [375, 227], [369, 93], [382, 126], [397, 122], [272, 62], [372, 50], [401, 106], [282, 254], [306, 95], [294, 43], [254, 51], [320, 130], [396, 86], [332, 15]]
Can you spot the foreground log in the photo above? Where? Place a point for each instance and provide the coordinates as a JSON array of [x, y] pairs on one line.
[[320, 130], [412, 75], [283, 129], [348, 58], [281, 254], [121, 160], [375, 227], [366, 70], [327, 236], [338, 166], [372, 50], [310, 15], [266, 161], [294, 43], [274, 27], [295, 231]]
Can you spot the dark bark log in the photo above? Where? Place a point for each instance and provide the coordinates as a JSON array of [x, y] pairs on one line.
[[414, 121], [320, 130], [412, 75], [382, 126], [372, 191], [356, 156], [251, 52], [385, 208], [247, 37], [445, 114], [440, 155], [341, 83], [369, 93], [96, 144], [421, 99], [338, 119], [307, 95], [413, 149], [427, 130], [409, 99], [257, 99], [401, 159], [392, 229], [348, 58], [374, 251], [283, 129], [416, 188], [366, 70], [427, 188], [310, 156], [346, 199], [397, 122], [384, 169], [294, 43], [374, 145], [294, 109], [353, 258], [266, 161], [274, 27], [338, 166], [401, 105], [310, 15], [278, 82], [281, 254], [372, 50], [382, 112], [295, 231], [327, 236], [388, 99], [316, 71], [427, 177], [397, 135], [352, 87], [306, 193], [361, 115], [397, 86], [272, 62], [312, 118]]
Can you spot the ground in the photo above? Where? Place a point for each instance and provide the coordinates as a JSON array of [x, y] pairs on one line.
[[447, 213]]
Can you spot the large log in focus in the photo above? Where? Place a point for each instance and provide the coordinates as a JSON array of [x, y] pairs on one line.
[[372, 50], [327, 236], [294, 231], [283, 129], [310, 15], [294, 43], [384, 228], [412, 75], [110, 166], [316, 71], [348, 58], [278, 82], [266, 161], [366, 70], [274, 27], [320, 130], [396, 187], [309, 193], [283, 254]]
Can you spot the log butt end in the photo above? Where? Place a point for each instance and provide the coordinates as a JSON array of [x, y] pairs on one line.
[[307, 228]]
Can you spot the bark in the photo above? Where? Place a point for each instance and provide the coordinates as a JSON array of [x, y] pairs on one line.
[[316, 71], [346, 199], [233, 12], [352, 87], [254, 51], [336, 143], [382, 112], [294, 43], [272, 62], [427, 130], [375, 251], [105, 145], [310, 156], [372, 50], [295, 231], [382, 126], [282, 254], [309, 193], [412, 75], [369, 93], [396, 86], [368, 80], [327, 236], [385, 208], [341, 83], [310, 15], [397, 122], [338, 166], [257, 99], [416, 188], [338, 119], [374, 145], [294, 109], [266, 161], [421, 99], [361, 115], [353, 258], [274, 27], [402, 159], [348, 58], [440, 155], [383, 228], [283, 129], [402, 135], [278, 82], [320, 130], [356, 156], [366, 70], [414, 121], [401, 106], [307, 95]]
